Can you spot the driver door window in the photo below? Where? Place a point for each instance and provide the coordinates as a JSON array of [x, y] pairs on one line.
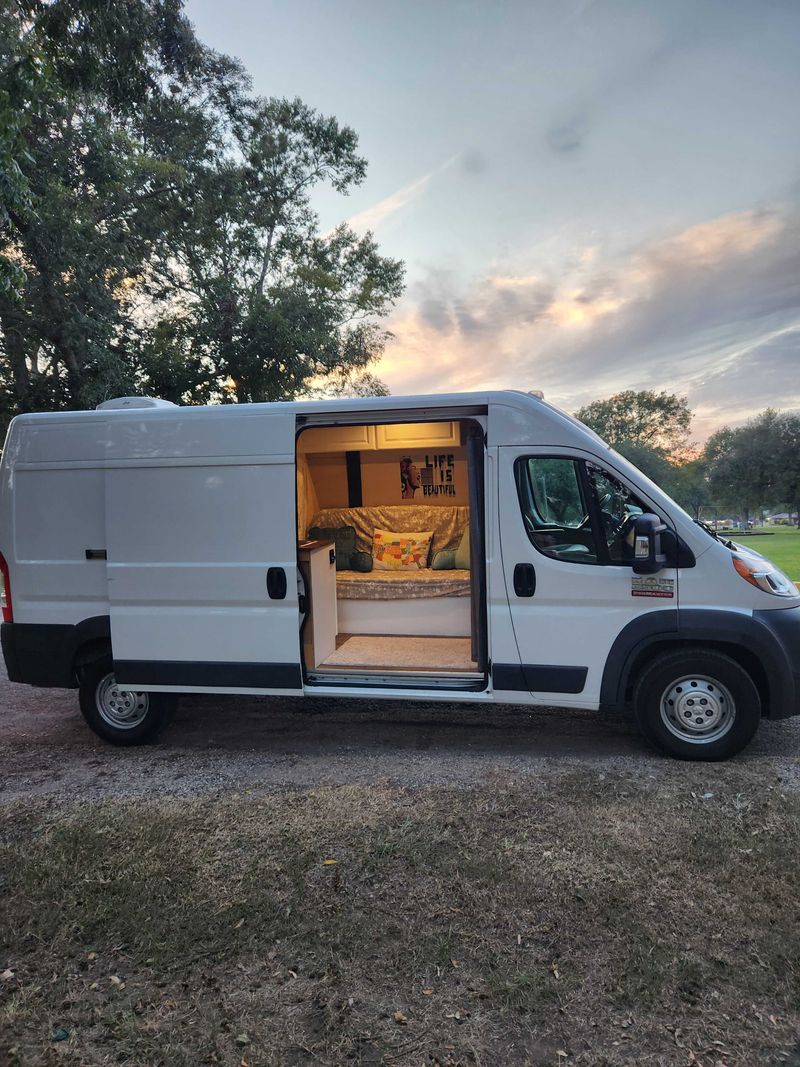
[[575, 511], [554, 508]]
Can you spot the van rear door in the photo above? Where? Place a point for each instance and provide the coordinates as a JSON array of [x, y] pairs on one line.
[[202, 571]]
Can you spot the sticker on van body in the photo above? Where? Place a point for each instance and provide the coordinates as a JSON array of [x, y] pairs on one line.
[[649, 586]]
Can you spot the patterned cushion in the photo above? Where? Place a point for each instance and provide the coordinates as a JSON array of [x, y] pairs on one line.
[[400, 551], [446, 520]]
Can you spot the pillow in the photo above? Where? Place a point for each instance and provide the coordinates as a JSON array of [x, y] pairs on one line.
[[361, 561], [344, 537], [400, 551], [444, 560], [462, 552]]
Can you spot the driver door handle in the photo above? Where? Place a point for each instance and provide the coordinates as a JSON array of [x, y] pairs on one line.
[[524, 579]]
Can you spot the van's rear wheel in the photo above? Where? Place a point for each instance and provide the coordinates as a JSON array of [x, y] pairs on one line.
[[697, 705], [117, 715]]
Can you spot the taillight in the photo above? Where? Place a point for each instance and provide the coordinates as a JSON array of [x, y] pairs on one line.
[[8, 609]]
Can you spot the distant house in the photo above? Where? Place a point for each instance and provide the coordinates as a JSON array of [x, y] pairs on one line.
[[783, 519]]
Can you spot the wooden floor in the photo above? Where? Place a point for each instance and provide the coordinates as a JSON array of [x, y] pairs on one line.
[[392, 653]]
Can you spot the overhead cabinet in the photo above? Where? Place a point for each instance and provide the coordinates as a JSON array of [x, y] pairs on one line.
[[339, 439]]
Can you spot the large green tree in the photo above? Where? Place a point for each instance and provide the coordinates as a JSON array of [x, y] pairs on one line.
[[249, 286], [788, 447], [649, 428], [156, 231], [654, 420], [83, 217], [745, 464]]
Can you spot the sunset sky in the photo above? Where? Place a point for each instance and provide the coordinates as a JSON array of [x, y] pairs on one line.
[[589, 196]]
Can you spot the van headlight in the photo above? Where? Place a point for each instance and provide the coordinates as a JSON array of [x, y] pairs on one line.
[[764, 575]]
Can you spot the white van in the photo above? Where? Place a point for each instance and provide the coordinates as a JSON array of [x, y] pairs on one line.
[[480, 548]]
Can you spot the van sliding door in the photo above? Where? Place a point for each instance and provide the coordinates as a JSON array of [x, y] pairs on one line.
[[202, 569]]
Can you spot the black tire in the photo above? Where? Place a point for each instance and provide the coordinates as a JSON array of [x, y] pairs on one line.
[[148, 713], [712, 716]]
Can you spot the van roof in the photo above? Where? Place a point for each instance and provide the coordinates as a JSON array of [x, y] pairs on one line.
[[150, 407]]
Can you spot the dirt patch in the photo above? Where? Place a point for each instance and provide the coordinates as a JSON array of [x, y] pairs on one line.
[[217, 744]]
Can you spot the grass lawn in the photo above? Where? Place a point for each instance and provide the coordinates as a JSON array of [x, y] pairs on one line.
[[583, 918], [783, 548]]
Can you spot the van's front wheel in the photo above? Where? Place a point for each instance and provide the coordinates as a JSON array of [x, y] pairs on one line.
[[697, 705], [117, 715]]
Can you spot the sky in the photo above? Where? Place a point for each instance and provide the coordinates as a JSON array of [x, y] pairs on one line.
[[589, 195]]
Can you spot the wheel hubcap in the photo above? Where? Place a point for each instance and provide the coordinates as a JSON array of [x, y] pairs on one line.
[[697, 709], [118, 707]]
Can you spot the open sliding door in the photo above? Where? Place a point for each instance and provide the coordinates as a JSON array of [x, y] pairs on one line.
[[476, 449]]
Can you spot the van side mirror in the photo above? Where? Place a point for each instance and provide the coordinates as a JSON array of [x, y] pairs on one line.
[[648, 557]]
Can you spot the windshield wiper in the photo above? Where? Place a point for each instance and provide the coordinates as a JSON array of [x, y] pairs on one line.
[[713, 533], [708, 529]]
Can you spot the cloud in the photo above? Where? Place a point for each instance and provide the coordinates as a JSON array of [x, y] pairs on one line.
[[712, 310], [568, 135], [473, 161], [373, 217]]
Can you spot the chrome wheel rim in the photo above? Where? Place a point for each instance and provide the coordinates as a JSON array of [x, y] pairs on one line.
[[119, 708], [697, 709]]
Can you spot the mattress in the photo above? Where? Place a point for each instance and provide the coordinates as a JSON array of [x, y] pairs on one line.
[[401, 585]]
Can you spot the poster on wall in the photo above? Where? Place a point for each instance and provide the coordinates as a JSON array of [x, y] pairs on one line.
[[433, 478]]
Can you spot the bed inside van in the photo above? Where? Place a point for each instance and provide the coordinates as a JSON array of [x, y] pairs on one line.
[[387, 523]]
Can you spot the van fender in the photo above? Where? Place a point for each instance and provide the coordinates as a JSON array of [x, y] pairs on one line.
[[771, 638]]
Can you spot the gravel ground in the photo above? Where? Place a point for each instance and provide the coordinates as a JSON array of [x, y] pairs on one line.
[[239, 744]]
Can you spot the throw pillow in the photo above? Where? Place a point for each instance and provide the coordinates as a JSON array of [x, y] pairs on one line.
[[444, 560], [462, 552], [400, 551], [344, 538], [361, 561]]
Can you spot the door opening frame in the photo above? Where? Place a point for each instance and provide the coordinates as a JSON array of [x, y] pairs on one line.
[[476, 451]]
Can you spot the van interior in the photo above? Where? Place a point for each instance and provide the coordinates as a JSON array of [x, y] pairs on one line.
[[391, 554]]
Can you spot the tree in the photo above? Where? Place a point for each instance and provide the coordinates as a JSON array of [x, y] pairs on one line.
[[658, 421], [650, 429], [745, 463], [788, 461], [82, 220], [156, 232], [272, 305], [650, 461], [690, 485]]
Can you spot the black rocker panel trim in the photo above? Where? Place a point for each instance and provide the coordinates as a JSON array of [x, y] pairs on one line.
[[224, 675], [538, 678], [43, 654]]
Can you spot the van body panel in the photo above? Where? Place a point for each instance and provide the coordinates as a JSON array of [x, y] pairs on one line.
[[189, 548]]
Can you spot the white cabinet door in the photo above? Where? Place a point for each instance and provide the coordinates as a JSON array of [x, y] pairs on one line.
[[567, 604], [429, 435], [202, 567], [322, 439]]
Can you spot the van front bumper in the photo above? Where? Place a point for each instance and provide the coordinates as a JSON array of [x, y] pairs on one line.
[[784, 626]]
